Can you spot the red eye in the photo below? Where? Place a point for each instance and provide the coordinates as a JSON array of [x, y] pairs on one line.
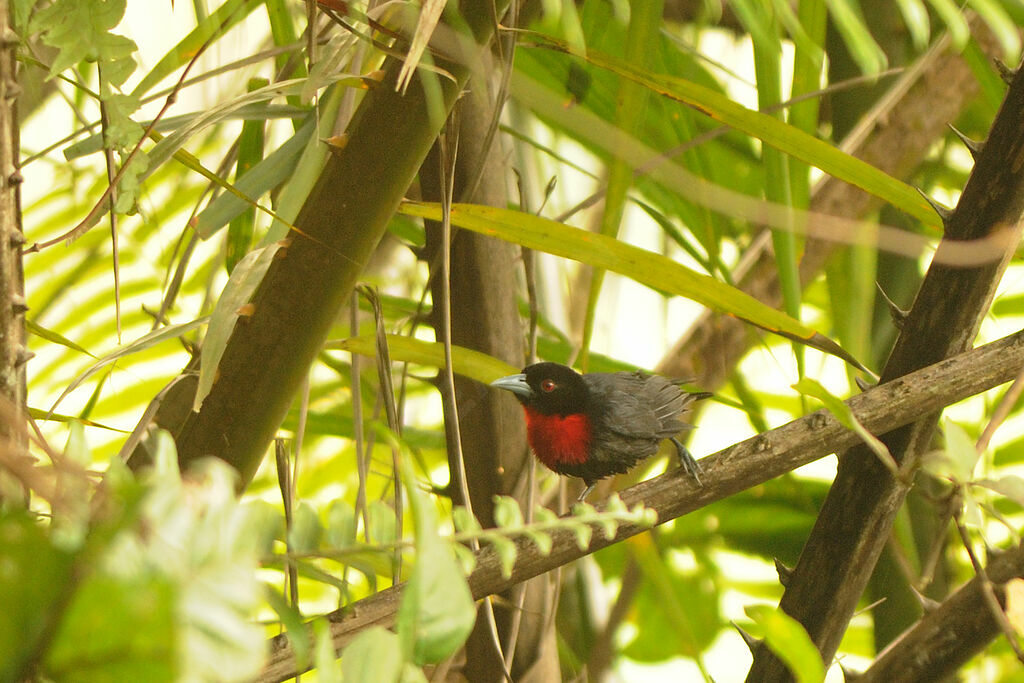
[[548, 385]]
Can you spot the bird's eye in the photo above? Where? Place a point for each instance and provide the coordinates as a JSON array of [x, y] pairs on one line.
[[548, 385]]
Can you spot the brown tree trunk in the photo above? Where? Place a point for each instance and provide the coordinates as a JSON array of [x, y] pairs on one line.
[[485, 317], [13, 353]]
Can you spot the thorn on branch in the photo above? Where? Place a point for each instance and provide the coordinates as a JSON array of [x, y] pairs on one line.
[[944, 211], [848, 675], [752, 642], [18, 304], [863, 384], [973, 146], [24, 356], [927, 604], [783, 571], [1005, 72], [898, 315]]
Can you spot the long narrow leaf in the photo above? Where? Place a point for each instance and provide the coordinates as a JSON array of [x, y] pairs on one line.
[[467, 362], [140, 344], [654, 270], [226, 16], [771, 131]]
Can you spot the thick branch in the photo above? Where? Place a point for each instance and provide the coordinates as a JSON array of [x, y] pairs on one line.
[[856, 518], [338, 228], [734, 469], [948, 636]]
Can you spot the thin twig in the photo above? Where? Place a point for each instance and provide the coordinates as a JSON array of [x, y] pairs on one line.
[[448, 156], [362, 455], [1001, 412], [108, 159], [92, 217], [988, 591], [387, 396], [287, 486]]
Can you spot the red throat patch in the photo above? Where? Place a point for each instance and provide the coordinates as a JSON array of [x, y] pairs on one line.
[[558, 440]]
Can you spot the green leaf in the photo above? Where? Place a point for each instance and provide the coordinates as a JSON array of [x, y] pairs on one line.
[[373, 655], [542, 540], [954, 20], [767, 128], [382, 523], [842, 412], [294, 628], [244, 280], [915, 18], [584, 532], [789, 641], [266, 175], [117, 629], [505, 549], [437, 611], [250, 153], [141, 344], [468, 363], [326, 660], [81, 32], [464, 520], [683, 602], [630, 105], [1009, 485], [223, 18], [865, 51], [1004, 28], [654, 270], [507, 514], [306, 531], [961, 455], [33, 580], [341, 524]]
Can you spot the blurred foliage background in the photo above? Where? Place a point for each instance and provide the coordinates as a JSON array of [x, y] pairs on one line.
[[720, 135]]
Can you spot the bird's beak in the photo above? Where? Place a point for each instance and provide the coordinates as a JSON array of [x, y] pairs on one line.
[[514, 383]]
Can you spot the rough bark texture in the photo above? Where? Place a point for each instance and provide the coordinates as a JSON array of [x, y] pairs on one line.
[[485, 317], [13, 354], [855, 521], [948, 636], [734, 469]]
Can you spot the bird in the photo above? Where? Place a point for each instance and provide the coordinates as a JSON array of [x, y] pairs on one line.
[[597, 424]]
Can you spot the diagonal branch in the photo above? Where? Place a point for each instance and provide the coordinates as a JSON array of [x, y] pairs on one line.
[[895, 137], [948, 636], [313, 274], [734, 469]]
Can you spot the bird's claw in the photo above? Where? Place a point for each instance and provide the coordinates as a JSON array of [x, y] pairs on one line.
[[687, 461]]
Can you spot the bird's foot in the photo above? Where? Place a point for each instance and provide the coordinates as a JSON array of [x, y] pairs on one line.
[[586, 492], [687, 461]]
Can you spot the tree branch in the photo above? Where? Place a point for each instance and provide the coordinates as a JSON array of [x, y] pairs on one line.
[[734, 469], [948, 636], [269, 352], [856, 518]]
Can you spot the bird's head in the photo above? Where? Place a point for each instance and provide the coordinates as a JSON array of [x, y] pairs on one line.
[[547, 388]]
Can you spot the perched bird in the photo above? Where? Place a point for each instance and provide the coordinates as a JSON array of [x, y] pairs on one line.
[[595, 425]]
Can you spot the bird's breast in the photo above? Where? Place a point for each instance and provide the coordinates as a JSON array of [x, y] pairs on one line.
[[558, 440]]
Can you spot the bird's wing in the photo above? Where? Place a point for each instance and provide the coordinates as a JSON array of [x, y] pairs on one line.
[[639, 406]]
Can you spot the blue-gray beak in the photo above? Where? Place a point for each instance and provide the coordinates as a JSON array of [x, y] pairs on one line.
[[514, 383]]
